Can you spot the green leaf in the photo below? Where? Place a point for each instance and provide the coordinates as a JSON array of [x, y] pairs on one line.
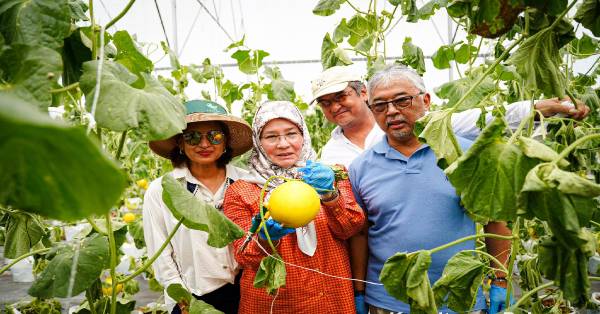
[[178, 293], [41, 169], [152, 110], [587, 14], [199, 215], [585, 46], [270, 274], [442, 57], [460, 281], [537, 60], [136, 230], [435, 129], [413, 56], [230, 92], [43, 23], [341, 31], [530, 274], [454, 90], [489, 176], [280, 89], [568, 266], [74, 54], [552, 8], [236, 44], [78, 8], [492, 18], [366, 43], [429, 8], [332, 55], [172, 56], [564, 199], [465, 53], [409, 9], [249, 61], [404, 277], [73, 269], [129, 55], [30, 73], [201, 307], [534, 149], [206, 73], [23, 231], [327, 7]]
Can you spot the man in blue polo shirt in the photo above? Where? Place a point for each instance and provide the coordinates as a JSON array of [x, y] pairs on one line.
[[409, 201]]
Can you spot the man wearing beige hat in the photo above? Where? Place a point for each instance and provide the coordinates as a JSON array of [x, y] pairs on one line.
[[342, 96]]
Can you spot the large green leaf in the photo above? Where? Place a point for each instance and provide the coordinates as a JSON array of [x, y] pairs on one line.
[[454, 90], [537, 60], [332, 55], [435, 129], [249, 61], [74, 54], [178, 293], [42, 169], [199, 215], [564, 199], [152, 110], [413, 56], [270, 274], [588, 14], [441, 58], [568, 266], [404, 277], [281, 89], [30, 73], [429, 8], [489, 176], [129, 55], [460, 281], [409, 9], [73, 269], [37, 23], [327, 7], [23, 231]]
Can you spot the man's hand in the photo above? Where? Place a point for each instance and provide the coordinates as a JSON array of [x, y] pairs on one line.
[[553, 106], [498, 299]]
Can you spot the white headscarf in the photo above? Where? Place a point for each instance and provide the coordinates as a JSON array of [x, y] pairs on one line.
[[261, 167]]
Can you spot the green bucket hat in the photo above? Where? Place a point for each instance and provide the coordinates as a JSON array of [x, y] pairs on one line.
[[240, 133]]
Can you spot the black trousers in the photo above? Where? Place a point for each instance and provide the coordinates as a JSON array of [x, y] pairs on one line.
[[225, 299]]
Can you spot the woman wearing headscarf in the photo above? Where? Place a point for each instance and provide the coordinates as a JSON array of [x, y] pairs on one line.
[[200, 156], [281, 146]]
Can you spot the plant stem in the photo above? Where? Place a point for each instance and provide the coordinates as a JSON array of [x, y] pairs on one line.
[[468, 238], [121, 144], [113, 263], [487, 72], [573, 100], [355, 8], [95, 226], [18, 259], [65, 88], [490, 256], [149, 262], [559, 18], [511, 261], [594, 278], [522, 124], [526, 296], [93, 29], [120, 15], [90, 303], [574, 145]]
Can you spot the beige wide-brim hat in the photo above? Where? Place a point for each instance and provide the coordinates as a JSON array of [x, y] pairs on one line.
[[240, 132]]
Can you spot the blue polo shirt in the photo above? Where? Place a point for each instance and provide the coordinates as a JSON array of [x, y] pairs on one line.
[[411, 206]]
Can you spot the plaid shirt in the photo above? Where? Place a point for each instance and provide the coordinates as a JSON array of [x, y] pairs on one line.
[[305, 291]]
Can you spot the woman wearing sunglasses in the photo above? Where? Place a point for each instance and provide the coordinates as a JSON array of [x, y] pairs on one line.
[[200, 157]]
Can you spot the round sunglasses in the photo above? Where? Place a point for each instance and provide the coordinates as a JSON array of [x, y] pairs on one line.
[[214, 137]]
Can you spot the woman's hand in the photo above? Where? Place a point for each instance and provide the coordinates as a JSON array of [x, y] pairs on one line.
[[275, 229], [318, 176]]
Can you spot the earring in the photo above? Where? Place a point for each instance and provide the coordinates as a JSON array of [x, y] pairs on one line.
[[180, 151]]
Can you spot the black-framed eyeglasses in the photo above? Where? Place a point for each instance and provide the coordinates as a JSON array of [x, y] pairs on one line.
[[214, 137], [398, 103], [338, 97]]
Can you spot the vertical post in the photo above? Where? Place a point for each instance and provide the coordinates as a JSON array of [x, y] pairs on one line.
[[450, 35], [175, 47]]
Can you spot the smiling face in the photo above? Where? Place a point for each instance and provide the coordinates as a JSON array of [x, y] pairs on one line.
[[282, 142], [399, 124], [345, 107], [205, 152]]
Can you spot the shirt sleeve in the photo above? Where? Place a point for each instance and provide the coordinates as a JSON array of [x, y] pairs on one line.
[[241, 213], [345, 219], [464, 123], [155, 234], [353, 177]]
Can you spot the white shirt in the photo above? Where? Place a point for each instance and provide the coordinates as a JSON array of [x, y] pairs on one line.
[[339, 149], [188, 259]]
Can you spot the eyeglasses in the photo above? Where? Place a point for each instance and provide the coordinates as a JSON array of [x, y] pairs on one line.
[[214, 137], [274, 139], [398, 103], [337, 98]]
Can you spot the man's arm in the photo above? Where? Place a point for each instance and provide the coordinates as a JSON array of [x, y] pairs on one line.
[[359, 254], [500, 249]]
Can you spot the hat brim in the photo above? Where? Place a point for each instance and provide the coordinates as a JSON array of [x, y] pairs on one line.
[[338, 87], [239, 141]]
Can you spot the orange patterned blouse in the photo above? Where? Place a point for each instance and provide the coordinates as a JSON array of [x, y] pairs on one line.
[[305, 291]]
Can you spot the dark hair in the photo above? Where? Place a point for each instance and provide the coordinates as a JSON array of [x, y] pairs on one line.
[[179, 158], [357, 86]]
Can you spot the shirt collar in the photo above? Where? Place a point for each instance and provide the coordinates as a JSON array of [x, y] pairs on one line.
[[184, 172], [384, 148]]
